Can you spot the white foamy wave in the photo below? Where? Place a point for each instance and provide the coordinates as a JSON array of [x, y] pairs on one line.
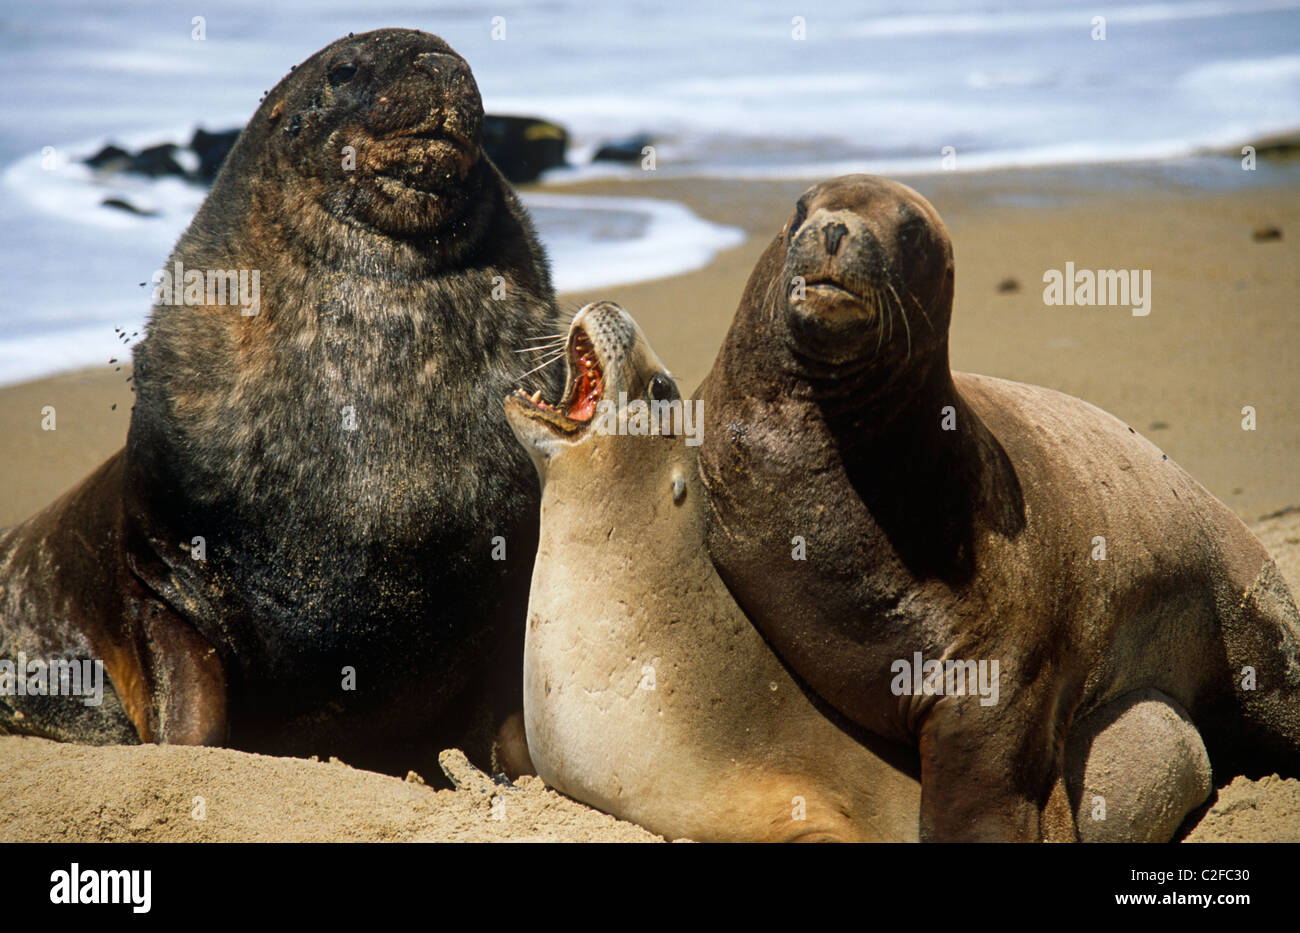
[[990, 22], [62, 186], [95, 257], [1243, 75], [647, 239], [1031, 157], [1218, 90]]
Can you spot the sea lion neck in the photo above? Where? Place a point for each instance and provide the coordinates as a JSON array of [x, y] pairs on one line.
[[862, 410]]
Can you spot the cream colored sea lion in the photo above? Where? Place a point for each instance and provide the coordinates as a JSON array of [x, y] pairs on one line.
[[649, 694], [953, 519]]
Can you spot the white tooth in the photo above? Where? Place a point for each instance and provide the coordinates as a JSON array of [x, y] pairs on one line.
[[537, 396]]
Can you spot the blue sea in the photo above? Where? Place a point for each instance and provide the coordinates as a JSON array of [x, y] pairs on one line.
[[744, 90]]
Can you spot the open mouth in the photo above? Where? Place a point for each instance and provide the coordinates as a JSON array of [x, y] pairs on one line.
[[585, 387]]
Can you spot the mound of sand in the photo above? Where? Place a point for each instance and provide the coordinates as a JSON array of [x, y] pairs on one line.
[[160, 793], [1267, 810], [72, 793]]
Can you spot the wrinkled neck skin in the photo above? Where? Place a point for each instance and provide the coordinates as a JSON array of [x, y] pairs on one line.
[[332, 236], [874, 399]]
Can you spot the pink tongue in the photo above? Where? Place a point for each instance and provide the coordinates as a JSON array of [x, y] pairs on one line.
[[584, 402]]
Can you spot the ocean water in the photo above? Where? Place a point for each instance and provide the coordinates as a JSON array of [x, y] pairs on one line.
[[725, 90]]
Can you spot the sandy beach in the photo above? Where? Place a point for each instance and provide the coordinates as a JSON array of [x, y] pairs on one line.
[[1221, 335]]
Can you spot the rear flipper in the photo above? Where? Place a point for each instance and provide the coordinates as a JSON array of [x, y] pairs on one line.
[[1134, 769], [54, 685], [69, 718]]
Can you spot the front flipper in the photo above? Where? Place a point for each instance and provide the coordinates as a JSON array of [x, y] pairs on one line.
[[991, 774], [1135, 768]]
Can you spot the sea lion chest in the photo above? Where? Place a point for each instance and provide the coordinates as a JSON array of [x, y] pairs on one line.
[[647, 692], [336, 460]]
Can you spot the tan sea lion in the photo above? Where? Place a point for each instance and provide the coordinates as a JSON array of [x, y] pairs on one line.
[[649, 694], [318, 538], [952, 519]]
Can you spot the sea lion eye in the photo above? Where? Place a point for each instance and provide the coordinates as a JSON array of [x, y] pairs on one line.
[[800, 215], [342, 73], [662, 388]]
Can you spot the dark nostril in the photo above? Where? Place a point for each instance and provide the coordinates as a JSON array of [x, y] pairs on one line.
[[834, 233]]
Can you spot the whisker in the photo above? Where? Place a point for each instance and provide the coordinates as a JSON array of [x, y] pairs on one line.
[[544, 364], [544, 348], [875, 308], [903, 314], [920, 307]]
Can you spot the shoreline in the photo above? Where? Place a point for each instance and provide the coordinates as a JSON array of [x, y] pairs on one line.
[[1221, 334], [614, 228]]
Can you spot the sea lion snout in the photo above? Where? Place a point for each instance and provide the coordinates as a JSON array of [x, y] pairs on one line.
[[427, 119], [836, 247], [435, 96], [840, 282], [866, 261], [388, 127]]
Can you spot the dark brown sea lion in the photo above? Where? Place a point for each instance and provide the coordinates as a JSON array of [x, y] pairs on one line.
[[950, 518], [649, 694], [367, 521]]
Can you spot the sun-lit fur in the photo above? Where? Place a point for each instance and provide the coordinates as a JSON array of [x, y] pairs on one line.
[[342, 451], [956, 515], [650, 694]]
